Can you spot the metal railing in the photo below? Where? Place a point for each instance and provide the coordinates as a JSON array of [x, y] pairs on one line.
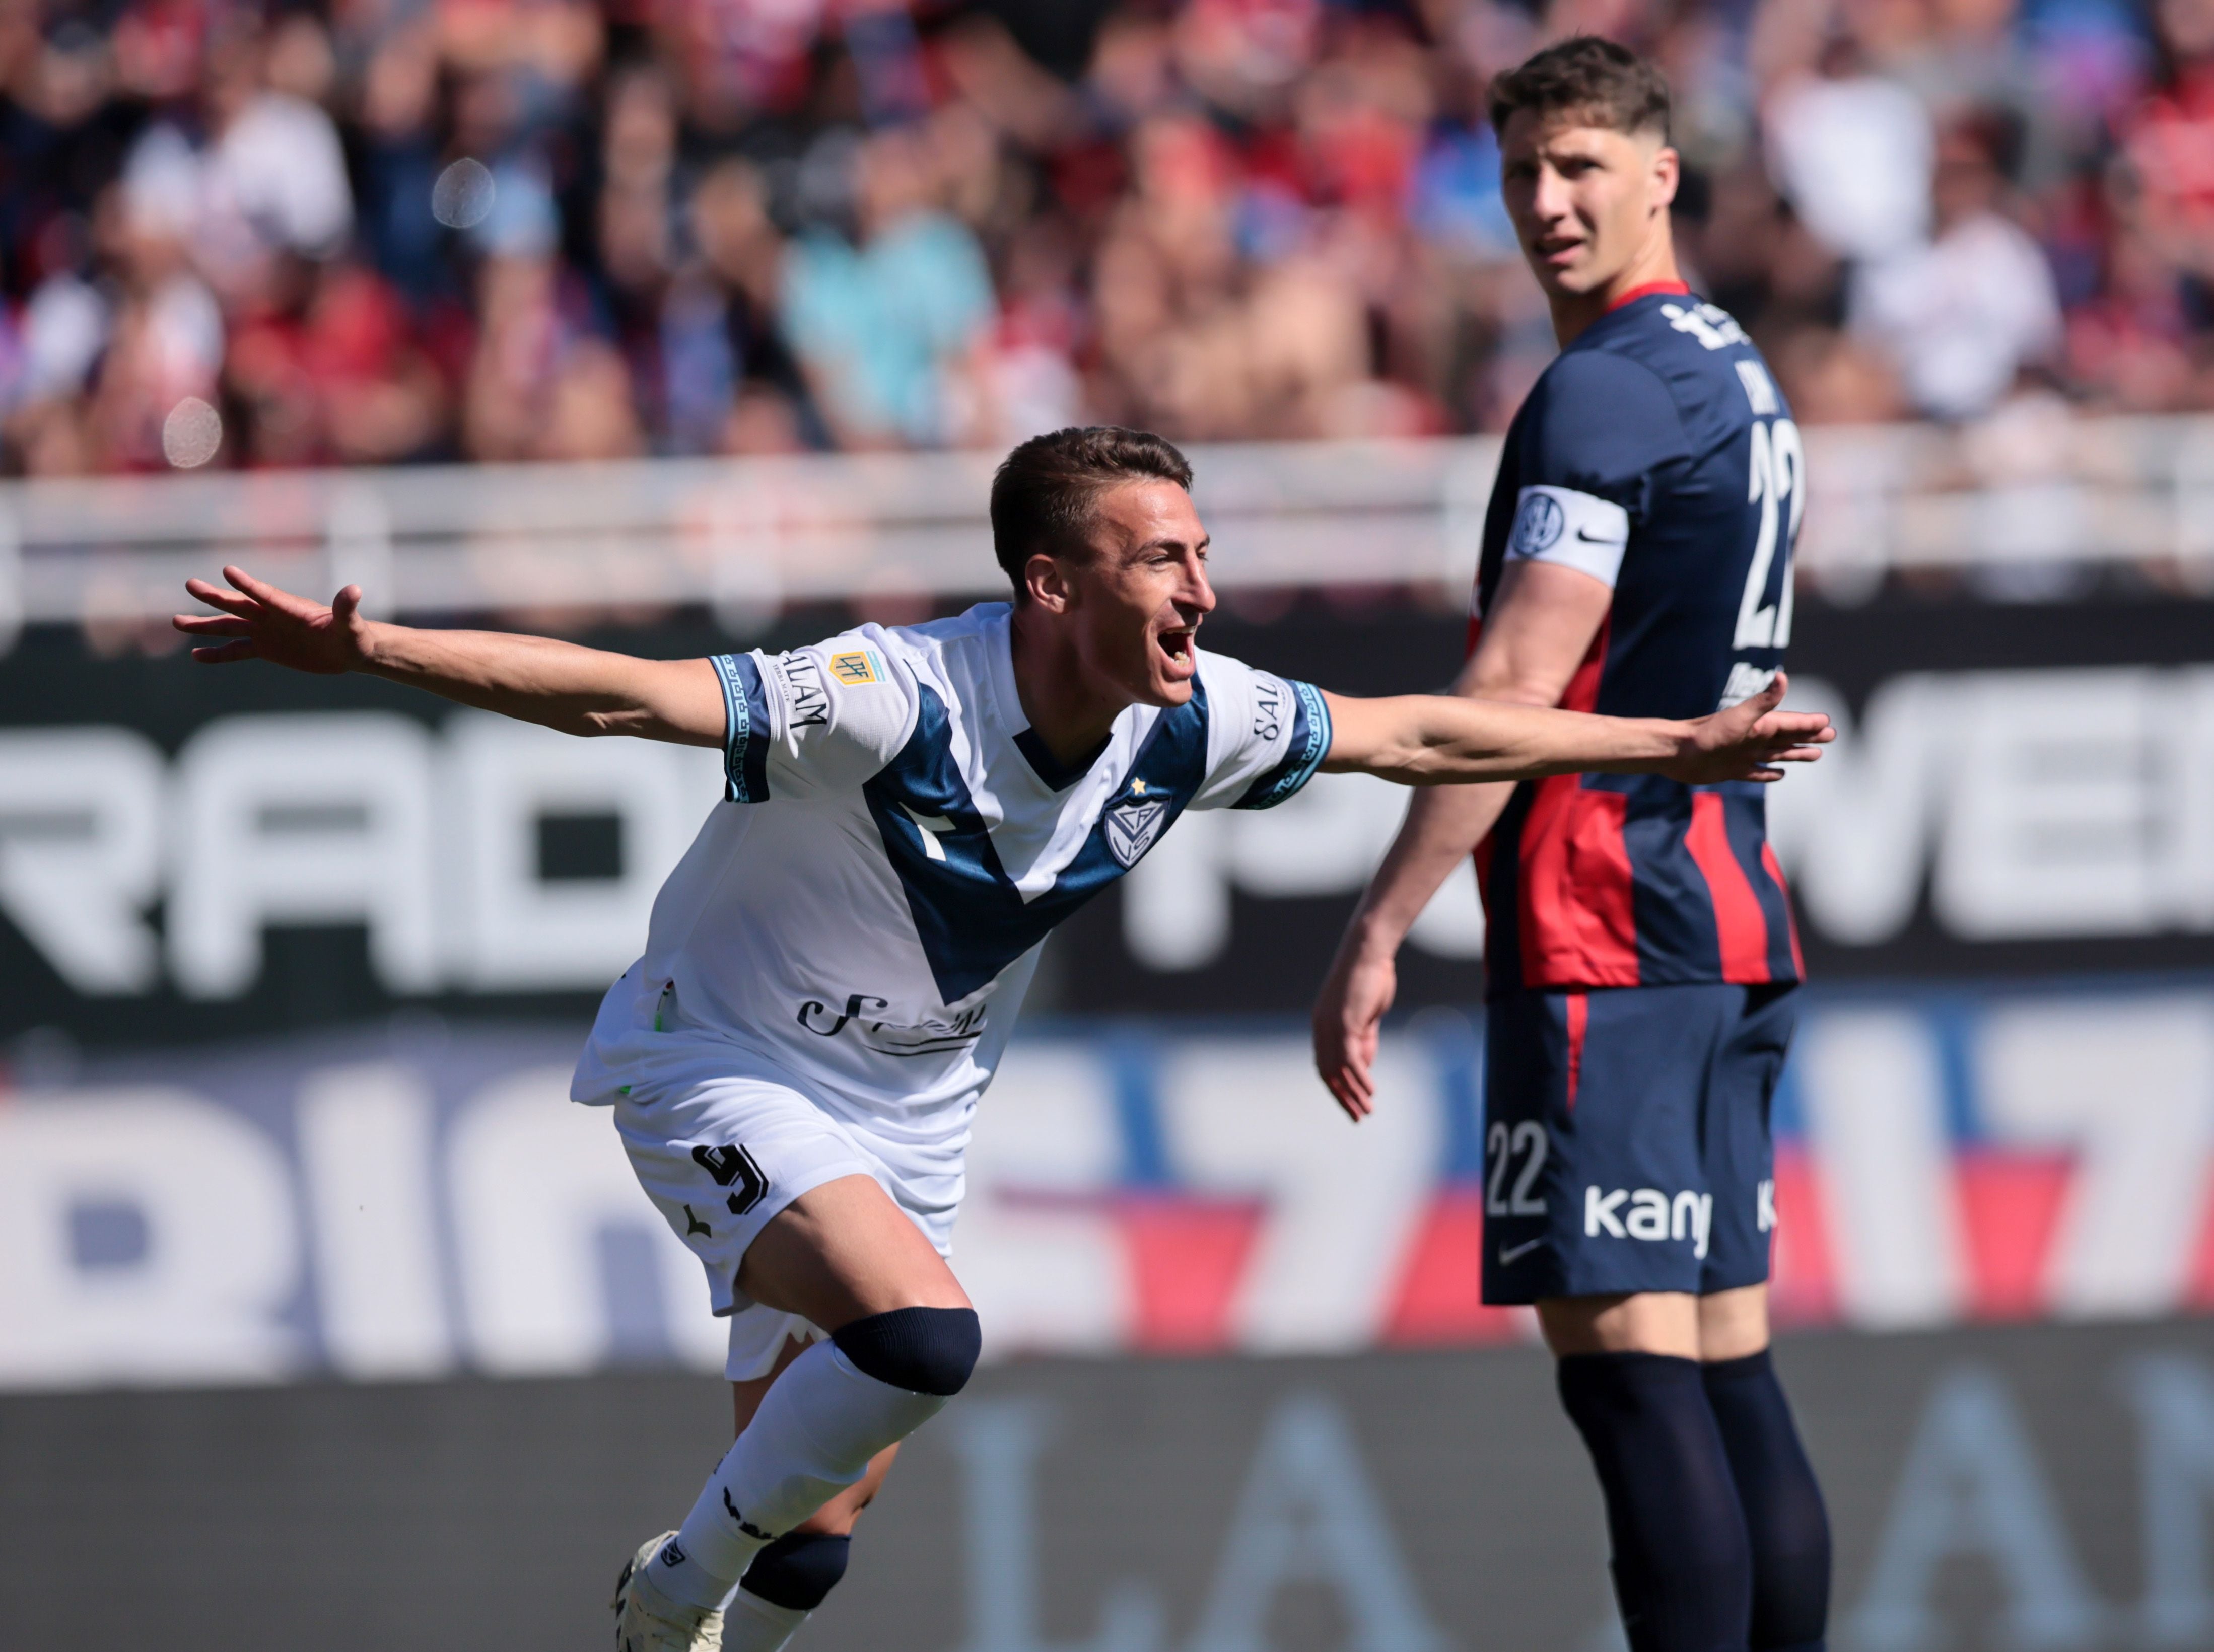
[[746, 536]]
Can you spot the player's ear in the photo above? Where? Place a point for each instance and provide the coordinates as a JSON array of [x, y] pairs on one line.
[[1667, 174], [1047, 583]]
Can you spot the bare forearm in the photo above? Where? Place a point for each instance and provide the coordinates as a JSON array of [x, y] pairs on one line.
[[1488, 740], [1429, 739], [1444, 823], [579, 691]]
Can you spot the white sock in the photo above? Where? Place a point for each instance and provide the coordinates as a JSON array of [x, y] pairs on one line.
[[818, 1426], [753, 1624]]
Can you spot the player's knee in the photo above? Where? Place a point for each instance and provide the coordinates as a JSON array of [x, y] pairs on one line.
[[798, 1569], [925, 1350]]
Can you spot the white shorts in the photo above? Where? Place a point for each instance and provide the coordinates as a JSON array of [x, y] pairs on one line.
[[721, 1156]]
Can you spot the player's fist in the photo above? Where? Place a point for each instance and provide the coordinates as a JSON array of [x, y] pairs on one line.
[[264, 622], [1746, 741]]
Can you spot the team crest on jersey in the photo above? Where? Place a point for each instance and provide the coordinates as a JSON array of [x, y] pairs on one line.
[[1133, 824], [855, 668], [1536, 525]]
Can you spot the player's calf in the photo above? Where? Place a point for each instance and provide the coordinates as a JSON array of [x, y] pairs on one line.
[[1783, 1511], [1683, 1566], [794, 1575], [837, 1405]]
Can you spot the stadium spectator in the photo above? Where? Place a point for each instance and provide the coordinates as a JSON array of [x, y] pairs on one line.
[[381, 232], [2169, 143], [1964, 314], [1850, 150], [887, 323]]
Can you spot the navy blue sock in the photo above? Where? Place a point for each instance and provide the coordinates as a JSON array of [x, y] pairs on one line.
[[798, 1569], [1683, 1566], [1782, 1503]]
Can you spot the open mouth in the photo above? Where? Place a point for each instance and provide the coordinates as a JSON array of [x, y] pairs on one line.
[[1181, 648]]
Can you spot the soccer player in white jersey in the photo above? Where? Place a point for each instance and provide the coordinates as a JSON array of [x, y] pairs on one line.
[[833, 969]]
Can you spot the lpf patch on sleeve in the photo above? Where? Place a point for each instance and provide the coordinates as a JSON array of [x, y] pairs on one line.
[[854, 669]]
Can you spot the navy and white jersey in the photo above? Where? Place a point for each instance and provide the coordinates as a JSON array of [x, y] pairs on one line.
[[1657, 455], [864, 911]]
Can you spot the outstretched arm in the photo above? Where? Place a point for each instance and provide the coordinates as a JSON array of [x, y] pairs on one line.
[[579, 691], [1427, 739]]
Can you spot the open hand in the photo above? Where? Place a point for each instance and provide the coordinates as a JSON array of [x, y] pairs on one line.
[[265, 622], [1348, 1013], [1745, 741]]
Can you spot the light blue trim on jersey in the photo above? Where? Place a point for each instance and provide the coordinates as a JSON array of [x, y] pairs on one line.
[[746, 729], [1309, 745], [969, 916]]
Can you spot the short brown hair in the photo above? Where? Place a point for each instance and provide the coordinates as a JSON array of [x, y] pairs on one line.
[[1043, 494], [1587, 75]]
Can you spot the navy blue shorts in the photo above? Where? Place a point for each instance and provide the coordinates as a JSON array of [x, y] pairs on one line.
[[1626, 1139]]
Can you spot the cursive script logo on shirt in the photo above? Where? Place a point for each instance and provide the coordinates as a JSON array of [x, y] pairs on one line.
[[862, 1018]]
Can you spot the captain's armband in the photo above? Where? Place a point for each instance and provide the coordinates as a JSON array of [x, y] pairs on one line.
[[1573, 529]]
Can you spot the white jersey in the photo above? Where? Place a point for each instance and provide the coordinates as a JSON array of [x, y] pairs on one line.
[[864, 911]]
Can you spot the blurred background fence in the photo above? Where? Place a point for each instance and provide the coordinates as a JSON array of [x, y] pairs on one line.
[[2033, 505]]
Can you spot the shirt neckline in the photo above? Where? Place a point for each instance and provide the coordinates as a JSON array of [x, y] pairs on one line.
[[1055, 775], [1050, 769], [1647, 291]]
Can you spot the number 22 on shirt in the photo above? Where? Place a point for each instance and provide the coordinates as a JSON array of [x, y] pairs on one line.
[[1776, 485]]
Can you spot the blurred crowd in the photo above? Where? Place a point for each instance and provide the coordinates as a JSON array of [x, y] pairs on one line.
[[368, 231]]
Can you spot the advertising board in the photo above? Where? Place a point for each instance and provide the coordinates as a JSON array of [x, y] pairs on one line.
[[188, 854], [2025, 1489], [420, 1199]]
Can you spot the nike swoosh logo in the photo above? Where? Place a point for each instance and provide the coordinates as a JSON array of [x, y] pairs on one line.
[[1509, 1256], [1597, 538]]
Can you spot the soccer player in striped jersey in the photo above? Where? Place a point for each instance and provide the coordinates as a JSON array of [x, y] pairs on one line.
[[1641, 960], [833, 969]]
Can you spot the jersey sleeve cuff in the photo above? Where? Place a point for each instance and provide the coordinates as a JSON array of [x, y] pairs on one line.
[[1308, 745], [745, 728]]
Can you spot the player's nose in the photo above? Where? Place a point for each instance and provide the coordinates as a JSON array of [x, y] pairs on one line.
[[1548, 198], [1197, 596]]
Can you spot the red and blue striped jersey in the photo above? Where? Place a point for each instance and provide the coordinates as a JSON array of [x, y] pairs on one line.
[[1655, 451]]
